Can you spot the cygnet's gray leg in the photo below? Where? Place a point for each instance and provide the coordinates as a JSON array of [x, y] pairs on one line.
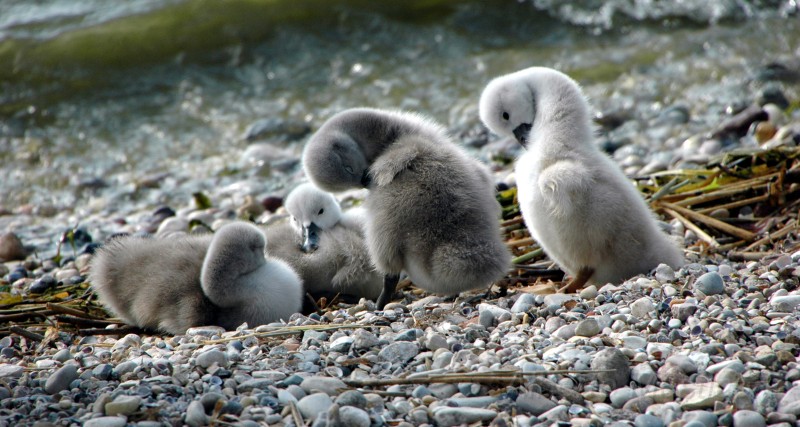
[[579, 281], [389, 286]]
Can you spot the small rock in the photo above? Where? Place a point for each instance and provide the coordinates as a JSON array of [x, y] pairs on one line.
[[446, 416], [665, 273], [700, 418], [766, 401], [106, 422], [523, 303], [566, 332], [327, 385], [710, 284], [742, 401], [207, 358], [196, 414], [60, 379], [103, 371], [704, 396], [490, 314], [435, 341], [588, 293], [642, 308], [646, 420], [534, 403], [341, 344], [314, 404], [399, 352], [352, 416], [785, 303], [9, 371], [62, 355], [553, 324], [638, 404], [620, 396], [747, 418], [644, 374], [727, 376], [123, 405], [351, 398], [364, 339], [587, 328], [612, 359], [790, 400], [11, 248], [42, 284]]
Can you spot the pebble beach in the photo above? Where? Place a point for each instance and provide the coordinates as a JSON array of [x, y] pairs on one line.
[[715, 342]]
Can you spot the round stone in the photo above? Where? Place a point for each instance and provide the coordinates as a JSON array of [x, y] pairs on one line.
[[710, 284], [745, 418], [61, 379]]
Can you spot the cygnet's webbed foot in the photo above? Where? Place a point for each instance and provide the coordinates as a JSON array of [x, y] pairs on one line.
[[389, 286], [577, 282]]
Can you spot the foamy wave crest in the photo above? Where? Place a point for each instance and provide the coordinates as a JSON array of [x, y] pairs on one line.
[[606, 14]]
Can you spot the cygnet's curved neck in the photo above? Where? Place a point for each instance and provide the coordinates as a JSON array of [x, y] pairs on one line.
[[375, 130], [562, 124]]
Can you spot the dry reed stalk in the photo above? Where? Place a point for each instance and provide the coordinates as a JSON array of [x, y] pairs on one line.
[[712, 222], [67, 310], [736, 204], [26, 333], [692, 226], [788, 228], [521, 242]]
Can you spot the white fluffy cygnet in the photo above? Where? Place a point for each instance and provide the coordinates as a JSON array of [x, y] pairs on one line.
[[173, 284], [575, 200], [431, 209], [325, 246]]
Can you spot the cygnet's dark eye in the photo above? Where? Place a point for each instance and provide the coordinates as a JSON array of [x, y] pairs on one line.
[[505, 115], [321, 211], [348, 169]]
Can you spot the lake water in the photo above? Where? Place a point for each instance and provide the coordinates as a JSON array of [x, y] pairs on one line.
[[102, 95]]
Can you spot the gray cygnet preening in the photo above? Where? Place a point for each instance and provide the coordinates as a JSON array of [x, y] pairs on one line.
[[575, 200], [325, 246], [431, 209], [184, 281]]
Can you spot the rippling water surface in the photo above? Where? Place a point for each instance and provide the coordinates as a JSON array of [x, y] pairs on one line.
[[103, 95]]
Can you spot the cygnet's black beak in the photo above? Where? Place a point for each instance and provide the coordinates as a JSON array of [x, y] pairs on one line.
[[366, 180], [522, 132], [310, 238]]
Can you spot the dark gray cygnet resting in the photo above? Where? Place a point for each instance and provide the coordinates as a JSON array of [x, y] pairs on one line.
[[431, 209], [575, 200], [174, 284], [325, 246]]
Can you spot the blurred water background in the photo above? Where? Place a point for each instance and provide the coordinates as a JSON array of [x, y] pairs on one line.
[[115, 96]]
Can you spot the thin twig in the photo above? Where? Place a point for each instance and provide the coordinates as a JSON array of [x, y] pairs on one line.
[[83, 322], [493, 377], [719, 194], [296, 415], [748, 256], [692, 226], [712, 222], [288, 330], [26, 333], [788, 228], [528, 256], [521, 242], [736, 204], [24, 316], [512, 221], [67, 310]]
